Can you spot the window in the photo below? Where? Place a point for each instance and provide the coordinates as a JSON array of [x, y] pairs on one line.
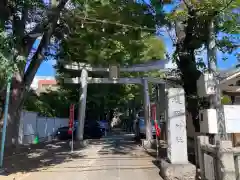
[[238, 83]]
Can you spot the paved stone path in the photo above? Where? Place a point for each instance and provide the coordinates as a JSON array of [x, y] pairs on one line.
[[113, 158]]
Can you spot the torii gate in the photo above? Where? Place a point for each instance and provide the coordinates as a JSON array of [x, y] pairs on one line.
[[84, 80], [174, 107]]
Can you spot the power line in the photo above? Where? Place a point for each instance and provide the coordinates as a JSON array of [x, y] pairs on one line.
[[95, 20], [156, 30]]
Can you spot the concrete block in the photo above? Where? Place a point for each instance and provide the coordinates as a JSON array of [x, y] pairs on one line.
[[79, 144], [226, 163], [170, 171], [146, 144]]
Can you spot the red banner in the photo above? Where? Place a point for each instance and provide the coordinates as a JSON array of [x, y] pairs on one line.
[[71, 118], [154, 117]]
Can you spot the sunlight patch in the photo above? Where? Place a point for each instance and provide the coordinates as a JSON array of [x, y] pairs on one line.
[[35, 155]]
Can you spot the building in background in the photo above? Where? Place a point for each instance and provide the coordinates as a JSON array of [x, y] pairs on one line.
[[44, 84]]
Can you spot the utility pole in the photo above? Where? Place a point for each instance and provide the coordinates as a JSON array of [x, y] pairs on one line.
[[215, 100]]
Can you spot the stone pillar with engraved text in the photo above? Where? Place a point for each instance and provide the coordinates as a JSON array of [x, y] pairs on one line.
[[176, 126]]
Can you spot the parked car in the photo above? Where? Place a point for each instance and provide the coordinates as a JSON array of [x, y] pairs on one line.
[[62, 133], [91, 130], [103, 125], [140, 127]]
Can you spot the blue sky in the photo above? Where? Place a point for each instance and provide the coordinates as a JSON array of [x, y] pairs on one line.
[[46, 68], [222, 64]]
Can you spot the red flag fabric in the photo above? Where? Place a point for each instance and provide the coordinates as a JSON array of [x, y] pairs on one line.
[[154, 117], [71, 117], [158, 130], [69, 131]]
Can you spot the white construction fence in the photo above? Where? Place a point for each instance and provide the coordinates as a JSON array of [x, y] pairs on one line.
[[32, 126]]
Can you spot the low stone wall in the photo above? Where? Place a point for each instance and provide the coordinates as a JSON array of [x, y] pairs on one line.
[[216, 162]]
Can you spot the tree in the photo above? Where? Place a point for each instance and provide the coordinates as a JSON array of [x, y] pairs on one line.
[[15, 18], [49, 104], [190, 21], [117, 32]]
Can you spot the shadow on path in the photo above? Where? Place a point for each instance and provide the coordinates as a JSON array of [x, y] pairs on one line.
[[36, 157], [116, 155]]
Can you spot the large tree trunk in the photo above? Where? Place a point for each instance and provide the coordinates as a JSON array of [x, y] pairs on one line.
[[187, 43], [14, 115], [190, 75], [14, 110]]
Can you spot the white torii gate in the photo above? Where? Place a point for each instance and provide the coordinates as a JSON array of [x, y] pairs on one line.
[[84, 80], [176, 119]]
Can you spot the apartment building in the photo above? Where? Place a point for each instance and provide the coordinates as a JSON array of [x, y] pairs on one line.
[[44, 83]]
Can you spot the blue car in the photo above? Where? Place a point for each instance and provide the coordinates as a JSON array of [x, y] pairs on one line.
[[140, 127]]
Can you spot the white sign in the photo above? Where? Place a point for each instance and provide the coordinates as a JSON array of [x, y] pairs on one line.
[[176, 124], [232, 118]]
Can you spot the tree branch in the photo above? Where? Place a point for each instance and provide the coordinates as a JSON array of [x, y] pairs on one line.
[[228, 4], [29, 39], [188, 5], [48, 32], [18, 27]]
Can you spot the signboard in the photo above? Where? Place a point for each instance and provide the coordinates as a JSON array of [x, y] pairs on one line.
[[232, 119], [71, 119], [176, 126]]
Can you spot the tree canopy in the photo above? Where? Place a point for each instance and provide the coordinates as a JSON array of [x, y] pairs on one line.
[[49, 103], [190, 21], [101, 40], [101, 32]]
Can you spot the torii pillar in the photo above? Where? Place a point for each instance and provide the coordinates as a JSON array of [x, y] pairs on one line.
[[147, 114], [82, 104]]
